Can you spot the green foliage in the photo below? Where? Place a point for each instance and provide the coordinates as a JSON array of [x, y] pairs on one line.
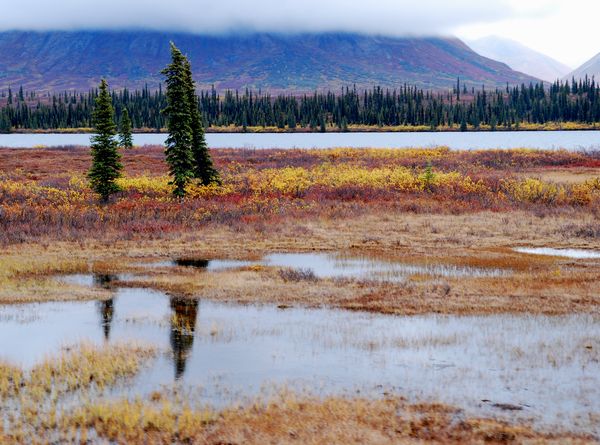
[[203, 168], [322, 124], [5, 125], [125, 136], [291, 120], [407, 106], [428, 177], [106, 159], [178, 149]]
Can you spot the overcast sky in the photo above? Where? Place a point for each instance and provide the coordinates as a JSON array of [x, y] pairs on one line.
[[564, 29]]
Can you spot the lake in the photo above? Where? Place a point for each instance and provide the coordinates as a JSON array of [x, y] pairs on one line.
[[570, 140]]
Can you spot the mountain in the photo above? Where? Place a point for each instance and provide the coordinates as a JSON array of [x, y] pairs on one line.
[[520, 58], [296, 62], [591, 68]]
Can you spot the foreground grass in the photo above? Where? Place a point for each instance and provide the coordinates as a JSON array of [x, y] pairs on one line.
[[33, 401], [38, 408], [290, 419]]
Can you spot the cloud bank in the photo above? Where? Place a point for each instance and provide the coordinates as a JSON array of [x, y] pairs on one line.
[[390, 17]]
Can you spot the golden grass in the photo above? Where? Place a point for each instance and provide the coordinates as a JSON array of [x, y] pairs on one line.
[[10, 380], [26, 276], [33, 401], [289, 419], [86, 366]]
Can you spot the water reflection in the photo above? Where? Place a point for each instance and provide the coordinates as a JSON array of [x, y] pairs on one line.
[[104, 281], [106, 308], [183, 327], [192, 262]]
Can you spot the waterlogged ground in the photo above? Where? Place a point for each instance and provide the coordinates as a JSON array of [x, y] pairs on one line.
[[518, 367], [339, 265]]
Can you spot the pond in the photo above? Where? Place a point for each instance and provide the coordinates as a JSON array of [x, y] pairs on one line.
[[579, 254], [571, 140], [547, 369], [339, 265]]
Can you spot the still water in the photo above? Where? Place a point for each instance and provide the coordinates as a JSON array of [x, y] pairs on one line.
[[577, 254], [571, 140], [546, 368], [339, 265]]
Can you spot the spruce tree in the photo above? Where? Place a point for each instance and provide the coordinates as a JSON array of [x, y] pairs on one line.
[[204, 169], [178, 149], [125, 136], [106, 160]]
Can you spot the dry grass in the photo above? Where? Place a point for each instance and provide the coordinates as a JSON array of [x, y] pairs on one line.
[[26, 276], [289, 419], [86, 366], [10, 380], [34, 401], [566, 176]]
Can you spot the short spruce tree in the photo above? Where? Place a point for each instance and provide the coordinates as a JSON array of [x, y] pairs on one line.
[[106, 159], [125, 136]]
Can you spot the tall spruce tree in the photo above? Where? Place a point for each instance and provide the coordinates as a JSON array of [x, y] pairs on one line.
[[125, 136], [106, 159], [178, 149], [204, 169]]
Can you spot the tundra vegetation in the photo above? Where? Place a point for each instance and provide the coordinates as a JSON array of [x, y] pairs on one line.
[[420, 206]]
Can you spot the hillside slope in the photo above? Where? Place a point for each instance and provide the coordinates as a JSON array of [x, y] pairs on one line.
[[520, 58], [591, 68], [78, 59]]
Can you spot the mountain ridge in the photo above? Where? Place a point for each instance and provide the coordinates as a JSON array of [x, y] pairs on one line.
[[62, 60], [520, 57], [591, 68]]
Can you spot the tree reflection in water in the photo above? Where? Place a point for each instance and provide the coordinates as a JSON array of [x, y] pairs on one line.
[[183, 326], [106, 308]]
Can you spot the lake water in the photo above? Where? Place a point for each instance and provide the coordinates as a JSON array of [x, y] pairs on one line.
[[546, 368], [571, 140]]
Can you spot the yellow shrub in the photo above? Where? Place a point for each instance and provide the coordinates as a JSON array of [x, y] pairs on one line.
[[534, 191]]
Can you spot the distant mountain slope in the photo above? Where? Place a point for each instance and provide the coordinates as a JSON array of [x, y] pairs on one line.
[[520, 58], [77, 60], [591, 68]]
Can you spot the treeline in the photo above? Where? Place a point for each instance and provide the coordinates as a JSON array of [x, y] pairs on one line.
[[576, 101]]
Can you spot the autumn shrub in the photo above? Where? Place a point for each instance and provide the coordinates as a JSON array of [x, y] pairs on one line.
[[49, 195]]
